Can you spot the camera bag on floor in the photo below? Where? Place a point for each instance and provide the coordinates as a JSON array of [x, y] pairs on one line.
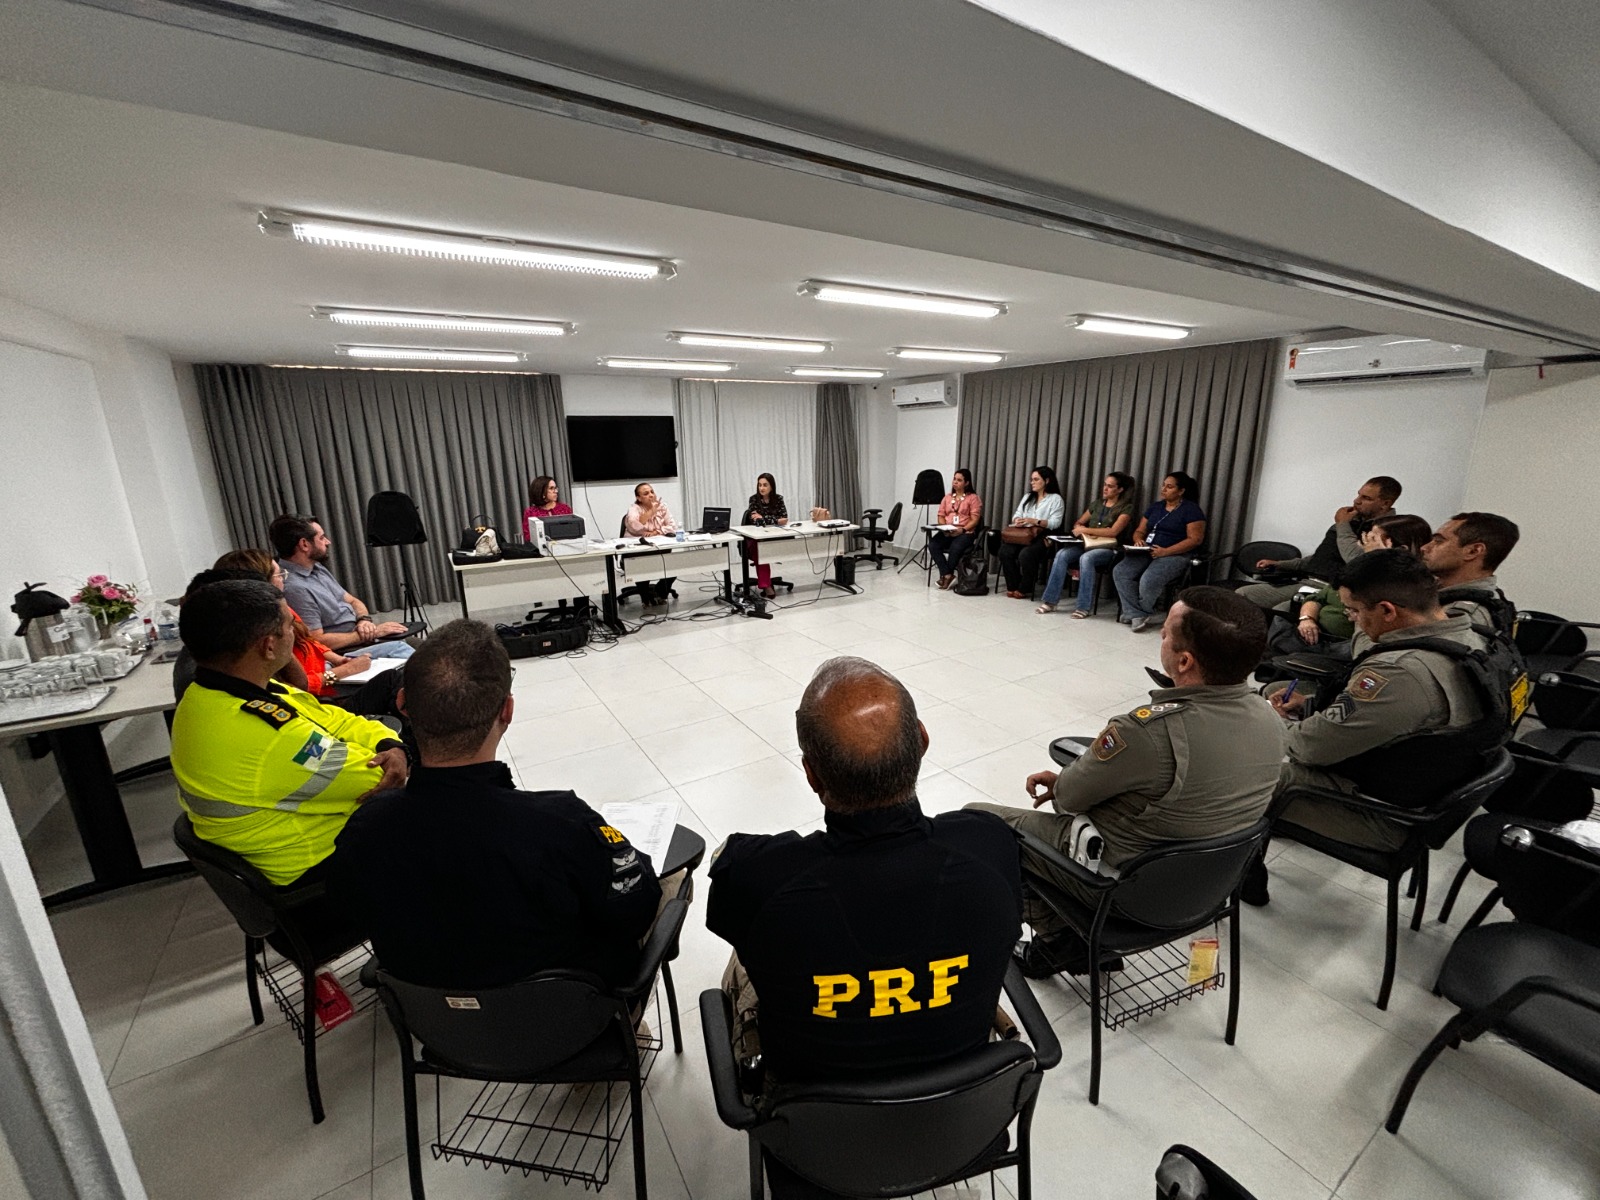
[[554, 632]]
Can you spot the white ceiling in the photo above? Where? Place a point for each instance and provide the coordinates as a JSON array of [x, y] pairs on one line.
[[147, 226], [1550, 48], [139, 217]]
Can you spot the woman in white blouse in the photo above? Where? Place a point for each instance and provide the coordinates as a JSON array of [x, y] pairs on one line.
[[1040, 511]]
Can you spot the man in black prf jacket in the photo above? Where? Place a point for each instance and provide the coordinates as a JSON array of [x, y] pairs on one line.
[[464, 881], [881, 942]]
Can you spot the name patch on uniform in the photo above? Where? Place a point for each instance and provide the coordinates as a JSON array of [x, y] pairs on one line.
[[275, 715], [1151, 712], [463, 1002], [1109, 744], [1367, 684], [311, 753]]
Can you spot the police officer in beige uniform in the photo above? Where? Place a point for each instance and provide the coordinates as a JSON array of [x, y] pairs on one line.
[[1463, 555], [1200, 760], [1412, 723]]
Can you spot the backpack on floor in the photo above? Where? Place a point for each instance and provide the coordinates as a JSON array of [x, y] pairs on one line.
[[972, 572]]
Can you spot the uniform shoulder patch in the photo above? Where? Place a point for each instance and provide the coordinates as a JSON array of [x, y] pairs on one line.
[[273, 713], [610, 836], [1146, 713], [1109, 744], [1366, 683]]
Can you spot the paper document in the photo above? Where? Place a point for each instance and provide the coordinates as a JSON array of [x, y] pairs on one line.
[[378, 667], [663, 539], [648, 824]]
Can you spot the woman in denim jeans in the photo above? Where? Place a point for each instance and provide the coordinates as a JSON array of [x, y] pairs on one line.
[[1171, 529], [1109, 518]]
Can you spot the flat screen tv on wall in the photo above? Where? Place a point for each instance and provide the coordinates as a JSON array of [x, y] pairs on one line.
[[622, 448]]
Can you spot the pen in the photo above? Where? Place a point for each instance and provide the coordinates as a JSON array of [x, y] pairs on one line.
[[1288, 692]]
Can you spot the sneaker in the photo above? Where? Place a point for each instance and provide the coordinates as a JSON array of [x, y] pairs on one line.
[[1143, 624], [1254, 889]]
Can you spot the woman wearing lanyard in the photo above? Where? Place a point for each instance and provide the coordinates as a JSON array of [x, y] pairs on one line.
[[1170, 530], [962, 508], [1040, 511], [1106, 521]]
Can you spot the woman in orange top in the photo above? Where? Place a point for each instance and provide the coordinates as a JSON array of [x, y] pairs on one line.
[[323, 667]]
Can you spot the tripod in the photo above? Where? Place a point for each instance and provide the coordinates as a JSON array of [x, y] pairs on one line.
[[922, 557]]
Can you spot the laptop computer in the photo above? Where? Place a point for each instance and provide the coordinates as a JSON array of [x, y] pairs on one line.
[[714, 520]]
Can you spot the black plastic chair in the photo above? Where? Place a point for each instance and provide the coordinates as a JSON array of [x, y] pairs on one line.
[[1186, 1174], [1166, 893], [1551, 643], [555, 1027], [892, 1136], [877, 538], [1541, 788], [1426, 828], [1537, 988], [1565, 703], [1239, 568], [285, 917], [393, 520]]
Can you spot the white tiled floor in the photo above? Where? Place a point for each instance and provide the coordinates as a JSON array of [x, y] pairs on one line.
[[215, 1107]]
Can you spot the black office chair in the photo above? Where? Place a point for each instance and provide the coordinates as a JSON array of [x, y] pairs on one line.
[[1239, 568], [650, 591], [1536, 987], [893, 1135], [1541, 788], [1566, 703], [557, 1027], [1425, 828], [1550, 643], [393, 520], [877, 538], [1168, 892], [297, 922], [1186, 1174]]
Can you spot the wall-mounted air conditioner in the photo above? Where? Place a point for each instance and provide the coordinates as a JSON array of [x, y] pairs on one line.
[[1383, 358], [930, 393]]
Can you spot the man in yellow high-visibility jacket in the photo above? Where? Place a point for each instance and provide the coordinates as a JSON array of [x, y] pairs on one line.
[[266, 770]]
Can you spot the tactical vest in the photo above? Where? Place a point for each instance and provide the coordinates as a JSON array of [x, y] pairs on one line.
[[1417, 770], [1501, 611]]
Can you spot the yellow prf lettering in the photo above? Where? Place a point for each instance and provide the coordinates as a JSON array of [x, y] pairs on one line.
[[834, 989], [895, 984], [944, 978]]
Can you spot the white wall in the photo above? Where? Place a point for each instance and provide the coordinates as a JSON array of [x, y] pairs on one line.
[[875, 446], [925, 437], [105, 470], [1323, 443], [1535, 461], [601, 505]]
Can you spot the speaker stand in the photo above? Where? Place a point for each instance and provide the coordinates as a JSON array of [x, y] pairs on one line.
[[922, 557]]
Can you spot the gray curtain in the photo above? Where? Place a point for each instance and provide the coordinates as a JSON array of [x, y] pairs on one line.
[[1201, 410], [838, 473], [323, 441]]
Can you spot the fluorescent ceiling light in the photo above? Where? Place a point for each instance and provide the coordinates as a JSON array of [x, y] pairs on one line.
[[740, 341], [851, 293], [430, 354], [835, 373], [1093, 324], [930, 355], [458, 322], [667, 364], [463, 247]]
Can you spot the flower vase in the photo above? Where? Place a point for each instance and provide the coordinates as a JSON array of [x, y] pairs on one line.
[[107, 631]]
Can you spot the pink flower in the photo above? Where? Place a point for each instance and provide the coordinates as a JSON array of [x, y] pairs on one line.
[[111, 593], [99, 579], [77, 598]]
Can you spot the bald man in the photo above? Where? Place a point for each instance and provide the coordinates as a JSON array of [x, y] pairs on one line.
[[880, 942]]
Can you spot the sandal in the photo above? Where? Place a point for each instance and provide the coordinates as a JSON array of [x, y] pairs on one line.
[[1013, 595], [1079, 615], [1045, 608]]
